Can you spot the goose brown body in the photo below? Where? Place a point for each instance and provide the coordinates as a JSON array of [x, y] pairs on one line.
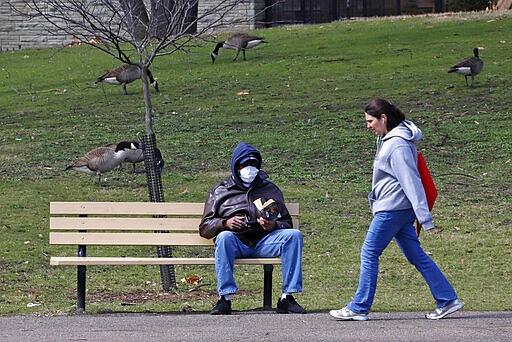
[[125, 74], [470, 66], [238, 42], [99, 161]]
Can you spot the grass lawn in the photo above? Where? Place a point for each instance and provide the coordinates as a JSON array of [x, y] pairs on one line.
[[299, 99]]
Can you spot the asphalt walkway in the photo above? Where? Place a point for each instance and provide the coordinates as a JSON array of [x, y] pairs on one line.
[[258, 326]]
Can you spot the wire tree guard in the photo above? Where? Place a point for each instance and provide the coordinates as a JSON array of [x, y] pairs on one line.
[[156, 194]]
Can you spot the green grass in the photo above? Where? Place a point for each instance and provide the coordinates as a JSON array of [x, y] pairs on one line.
[[304, 111]]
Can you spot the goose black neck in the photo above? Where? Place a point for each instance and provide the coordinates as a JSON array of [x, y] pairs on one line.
[[150, 76], [217, 47]]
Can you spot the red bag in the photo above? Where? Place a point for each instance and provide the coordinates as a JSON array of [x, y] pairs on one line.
[[428, 185]]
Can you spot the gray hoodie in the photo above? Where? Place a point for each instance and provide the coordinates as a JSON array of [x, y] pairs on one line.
[[396, 183]]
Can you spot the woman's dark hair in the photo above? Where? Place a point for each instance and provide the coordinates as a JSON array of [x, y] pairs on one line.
[[378, 107]]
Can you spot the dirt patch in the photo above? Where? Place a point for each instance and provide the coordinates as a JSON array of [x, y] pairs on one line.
[[140, 297]]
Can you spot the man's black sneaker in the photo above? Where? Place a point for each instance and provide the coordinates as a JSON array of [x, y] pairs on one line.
[[289, 305], [223, 307]]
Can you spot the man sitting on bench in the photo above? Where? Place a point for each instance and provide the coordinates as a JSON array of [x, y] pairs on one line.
[[246, 215]]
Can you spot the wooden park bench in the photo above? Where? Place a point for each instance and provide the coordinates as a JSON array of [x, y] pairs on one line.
[[122, 224]]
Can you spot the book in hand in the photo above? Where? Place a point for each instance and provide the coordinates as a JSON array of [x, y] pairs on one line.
[[268, 210]]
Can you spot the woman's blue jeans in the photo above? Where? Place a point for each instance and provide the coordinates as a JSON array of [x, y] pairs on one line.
[[385, 226], [286, 243]]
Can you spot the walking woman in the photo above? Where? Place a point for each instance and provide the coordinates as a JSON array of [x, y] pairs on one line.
[[397, 199]]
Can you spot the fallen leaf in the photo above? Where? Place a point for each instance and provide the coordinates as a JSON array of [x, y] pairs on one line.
[[193, 279]]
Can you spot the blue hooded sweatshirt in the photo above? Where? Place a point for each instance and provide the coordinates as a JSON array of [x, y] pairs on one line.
[[396, 183]]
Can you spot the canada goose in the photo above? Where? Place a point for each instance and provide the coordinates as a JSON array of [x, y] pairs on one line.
[[470, 66], [101, 159], [133, 155], [238, 42], [126, 73], [136, 154], [160, 159]]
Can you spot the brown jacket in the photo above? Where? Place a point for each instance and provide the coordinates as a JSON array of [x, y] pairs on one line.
[[227, 199]]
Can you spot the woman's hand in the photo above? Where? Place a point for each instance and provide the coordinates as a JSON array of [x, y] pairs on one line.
[[267, 224]]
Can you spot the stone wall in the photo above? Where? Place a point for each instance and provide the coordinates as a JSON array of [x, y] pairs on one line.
[[17, 32], [248, 15]]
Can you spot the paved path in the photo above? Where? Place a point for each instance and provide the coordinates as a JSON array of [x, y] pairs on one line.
[[258, 326]]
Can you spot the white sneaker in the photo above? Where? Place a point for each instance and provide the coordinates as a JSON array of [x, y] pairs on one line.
[[439, 313], [346, 314]]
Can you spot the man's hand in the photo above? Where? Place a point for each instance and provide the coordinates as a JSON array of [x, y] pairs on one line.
[[267, 224], [236, 223]]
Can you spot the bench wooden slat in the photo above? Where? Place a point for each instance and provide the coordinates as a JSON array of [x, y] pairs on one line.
[[129, 223], [124, 223], [128, 239], [89, 261], [137, 208], [127, 208], [293, 208]]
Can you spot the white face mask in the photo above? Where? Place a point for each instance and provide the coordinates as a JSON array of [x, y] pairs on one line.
[[248, 173]]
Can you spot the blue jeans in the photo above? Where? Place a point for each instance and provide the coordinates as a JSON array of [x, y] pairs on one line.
[[286, 243], [399, 225]]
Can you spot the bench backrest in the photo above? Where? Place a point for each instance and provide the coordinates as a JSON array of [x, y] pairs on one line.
[[131, 223]]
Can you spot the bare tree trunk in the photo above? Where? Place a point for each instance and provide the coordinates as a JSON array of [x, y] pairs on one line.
[[160, 18], [147, 100], [154, 180], [136, 18]]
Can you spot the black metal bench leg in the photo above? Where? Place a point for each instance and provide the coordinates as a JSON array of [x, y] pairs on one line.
[[80, 282], [267, 286]]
